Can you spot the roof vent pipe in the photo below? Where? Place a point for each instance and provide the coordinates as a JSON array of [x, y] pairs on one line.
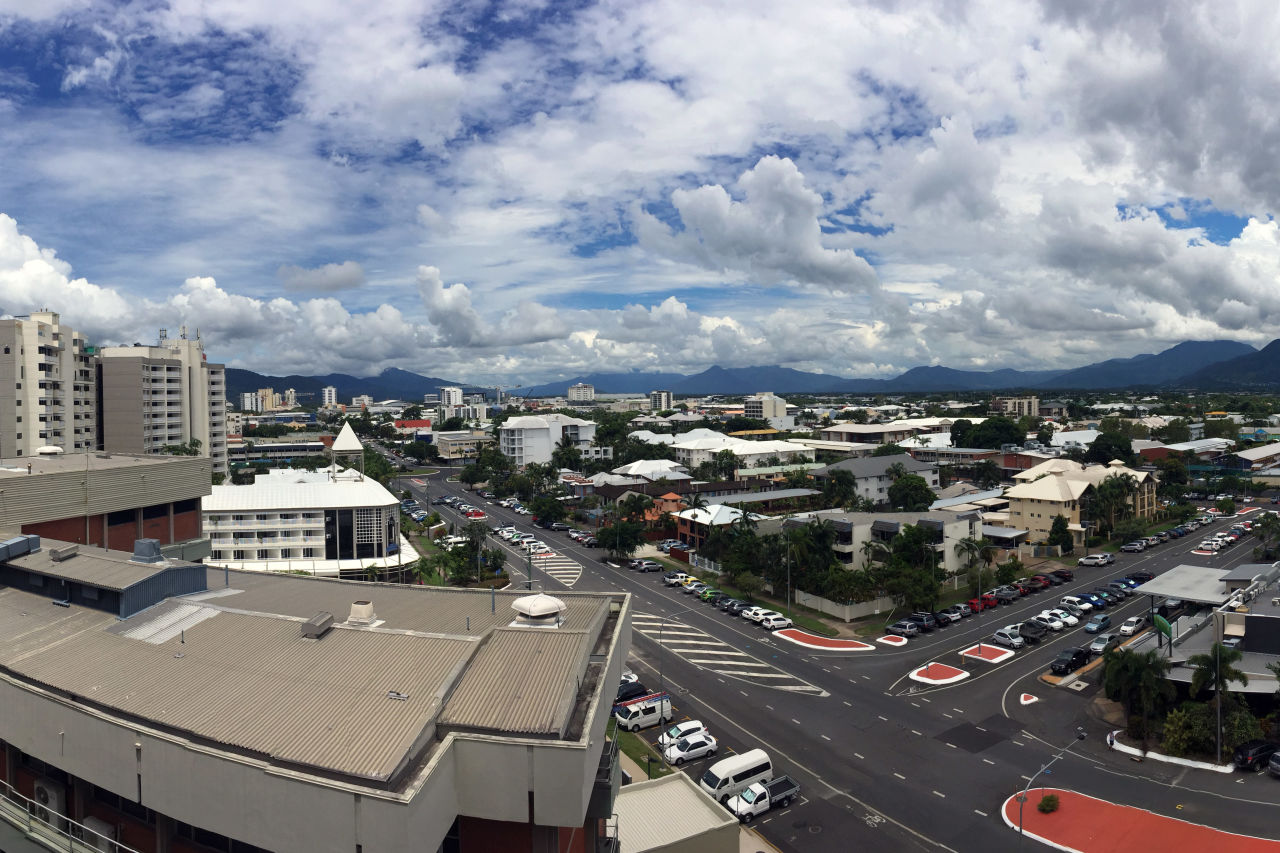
[[361, 613]]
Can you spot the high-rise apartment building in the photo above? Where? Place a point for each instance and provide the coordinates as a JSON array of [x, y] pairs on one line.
[[764, 406], [362, 401], [450, 396], [47, 386], [290, 398], [152, 397], [329, 396], [660, 401], [581, 393]]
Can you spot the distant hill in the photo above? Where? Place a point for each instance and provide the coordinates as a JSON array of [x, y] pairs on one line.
[[1259, 370], [1192, 364], [391, 383], [1149, 370]]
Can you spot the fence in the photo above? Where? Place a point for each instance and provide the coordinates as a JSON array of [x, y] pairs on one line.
[[50, 829]]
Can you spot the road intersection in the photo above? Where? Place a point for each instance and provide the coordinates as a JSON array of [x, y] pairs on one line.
[[888, 762]]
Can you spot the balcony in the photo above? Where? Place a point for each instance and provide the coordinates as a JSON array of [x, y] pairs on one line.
[[607, 781], [51, 830]]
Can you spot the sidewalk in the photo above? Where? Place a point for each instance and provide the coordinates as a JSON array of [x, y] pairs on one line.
[[749, 841]]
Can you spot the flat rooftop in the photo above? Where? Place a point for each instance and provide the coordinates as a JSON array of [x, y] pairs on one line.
[[229, 668], [62, 462]]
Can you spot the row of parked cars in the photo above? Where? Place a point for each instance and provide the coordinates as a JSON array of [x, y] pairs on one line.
[[770, 620], [1226, 538]]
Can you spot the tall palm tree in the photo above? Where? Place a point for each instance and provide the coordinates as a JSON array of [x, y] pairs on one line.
[[695, 500], [875, 551], [1215, 668]]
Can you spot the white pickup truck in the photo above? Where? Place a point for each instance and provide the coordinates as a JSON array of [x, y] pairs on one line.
[[762, 796]]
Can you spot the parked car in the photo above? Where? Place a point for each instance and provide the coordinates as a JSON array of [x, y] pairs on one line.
[[903, 628], [1098, 602], [1005, 595], [1008, 638], [960, 610], [1064, 574], [709, 593], [1142, 577], [1053, 624], [1103, 559], [1031, 632], [690, 748], [1135, 547], [1133, 625], [929, 620], [1102, 642], [1048, 578], [674, 578], [1121, 587], [1066, 617], [1069, 660], [1097, 623], [775, 622], [695, 588], [983, 602], [629, 690], [946, 617], [753, 614], [737, 607], [1075, 611], [1254, 754], [1077, 601]]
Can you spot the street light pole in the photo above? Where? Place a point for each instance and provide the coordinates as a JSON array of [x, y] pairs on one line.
[[1081, 734]]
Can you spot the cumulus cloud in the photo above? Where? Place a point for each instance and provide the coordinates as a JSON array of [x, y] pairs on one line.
[[324, 279], [772, 234]]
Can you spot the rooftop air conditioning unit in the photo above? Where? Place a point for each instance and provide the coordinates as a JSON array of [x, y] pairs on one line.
[[50, 804], [103, 835], [361, 613]]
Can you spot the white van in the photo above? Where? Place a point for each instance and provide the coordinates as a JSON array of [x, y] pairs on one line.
[[639, 715], [731, 776]]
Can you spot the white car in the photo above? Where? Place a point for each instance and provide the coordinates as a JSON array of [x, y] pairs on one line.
[[753, 614], [676, 579], [1064, 617], [690, 748], [1209, 545], [1132, 625], [1048, 621], [762, 615], [680, 731], [775, 622], [1078, 603]]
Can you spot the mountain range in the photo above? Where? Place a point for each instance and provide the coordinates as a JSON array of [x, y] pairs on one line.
[[1207, 365]]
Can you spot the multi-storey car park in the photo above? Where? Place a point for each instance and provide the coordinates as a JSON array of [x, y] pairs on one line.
[[167, 706]]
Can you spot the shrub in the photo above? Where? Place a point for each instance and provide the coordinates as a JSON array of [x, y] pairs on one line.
[[1240, 726], [1048, 804], [1189, 729]]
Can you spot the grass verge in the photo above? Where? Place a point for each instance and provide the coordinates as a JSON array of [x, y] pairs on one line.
[[638, 749]]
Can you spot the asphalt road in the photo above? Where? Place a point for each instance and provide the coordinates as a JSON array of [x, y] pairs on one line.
[[885, 762]]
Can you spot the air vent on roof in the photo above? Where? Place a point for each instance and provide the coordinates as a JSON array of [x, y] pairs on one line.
[[317, 626], [17, 546], [361, 613], [64, 553], [146, 551], [538, 611]]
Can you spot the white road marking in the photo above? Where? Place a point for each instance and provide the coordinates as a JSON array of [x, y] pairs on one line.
[[989, 761], [939, 794], [900, 776], [984, 814]]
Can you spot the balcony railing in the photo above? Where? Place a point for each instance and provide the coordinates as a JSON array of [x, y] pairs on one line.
[[50, 829]]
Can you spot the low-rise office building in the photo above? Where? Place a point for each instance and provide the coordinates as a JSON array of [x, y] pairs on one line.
[[170, 707]]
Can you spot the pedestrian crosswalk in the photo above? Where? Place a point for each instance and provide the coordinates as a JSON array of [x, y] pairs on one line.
[[705, 651], [558, 567]]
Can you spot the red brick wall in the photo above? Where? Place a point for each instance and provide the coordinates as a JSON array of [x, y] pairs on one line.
[[120, 537], [65, 529], [155, 528], [475, 834], [186, 525]]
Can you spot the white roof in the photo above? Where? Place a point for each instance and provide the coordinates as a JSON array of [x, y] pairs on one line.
[[526, 422], [660, 814], [648, 468], [1080, 436], [700, 432], [713, 514], [284, 489], [650, 437], [1263, 451], [720, 442], [346, 442]]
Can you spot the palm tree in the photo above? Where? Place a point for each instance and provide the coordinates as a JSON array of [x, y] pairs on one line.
[[1215, 668], [420, 570], [1267, 529], [1138, 680], [875, 551], [696, 500]]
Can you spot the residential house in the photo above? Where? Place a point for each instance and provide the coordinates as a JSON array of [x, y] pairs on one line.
[[872, 477]]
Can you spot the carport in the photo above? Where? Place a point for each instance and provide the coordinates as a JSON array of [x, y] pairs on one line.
[[1194, 584]]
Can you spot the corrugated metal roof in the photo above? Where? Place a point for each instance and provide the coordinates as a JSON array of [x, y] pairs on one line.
[[661, 812], [96, 566], [254, 682], [523, 680], [414, 608], [299, 490]]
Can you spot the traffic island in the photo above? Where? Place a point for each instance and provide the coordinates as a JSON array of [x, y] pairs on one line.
[[826, 644], [892, 640], [987, 652], [937, 674], [1081, 822]]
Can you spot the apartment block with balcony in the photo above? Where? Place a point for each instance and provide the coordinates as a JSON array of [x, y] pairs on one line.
[[47, 387], [532, 438], [153, 397]]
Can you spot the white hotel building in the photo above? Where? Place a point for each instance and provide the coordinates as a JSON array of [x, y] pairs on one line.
[[532, 438]]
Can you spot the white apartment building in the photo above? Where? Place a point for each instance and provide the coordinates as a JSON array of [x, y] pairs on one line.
[[329, 396], [450, 396], [532, 438], [48, 386], [320, 522], [581, 393], [250, 402], [363, 401], [764, 406], [290, 398], [163, 395], [1016, 407], [660, 401]]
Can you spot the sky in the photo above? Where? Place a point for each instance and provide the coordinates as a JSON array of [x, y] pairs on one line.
[[518, 192]]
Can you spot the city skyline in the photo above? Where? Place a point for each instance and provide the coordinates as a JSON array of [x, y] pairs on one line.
[[530, 193]]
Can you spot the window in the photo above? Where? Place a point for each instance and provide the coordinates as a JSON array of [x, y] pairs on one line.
[[263, 554], [238, 555], [308, 553]]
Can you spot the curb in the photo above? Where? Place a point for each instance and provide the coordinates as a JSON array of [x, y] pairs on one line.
[[1013, 798], [1115, 744]]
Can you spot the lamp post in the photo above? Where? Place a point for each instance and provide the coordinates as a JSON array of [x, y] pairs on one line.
[[1081, 734]]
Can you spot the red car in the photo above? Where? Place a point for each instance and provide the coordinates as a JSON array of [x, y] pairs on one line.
[[983, 602]]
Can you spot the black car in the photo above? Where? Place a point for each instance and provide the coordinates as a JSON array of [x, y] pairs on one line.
[[631, 690], [439, 500], [1032, 632], [1142, 577], [924, 622], [590, 542], [1063, 574], [716, 599], [1254, 754], [1069, 660], [726, 603], [737, 607]]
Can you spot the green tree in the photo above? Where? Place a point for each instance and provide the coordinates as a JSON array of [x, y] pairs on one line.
[[838, 488], [566, 454], [960, 432], [191, 448], [453, 424], [1108, 446], [1216, 669], [1139, 680], [1008, 570], [1226, 506], [546, 509], [889, 450], [987, 474], [1267, 531], [1059, 534], [911, 493], [621, 538], [994, 433]]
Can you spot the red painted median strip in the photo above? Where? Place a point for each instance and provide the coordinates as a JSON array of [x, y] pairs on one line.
[[1088, 824], [814, 641]]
